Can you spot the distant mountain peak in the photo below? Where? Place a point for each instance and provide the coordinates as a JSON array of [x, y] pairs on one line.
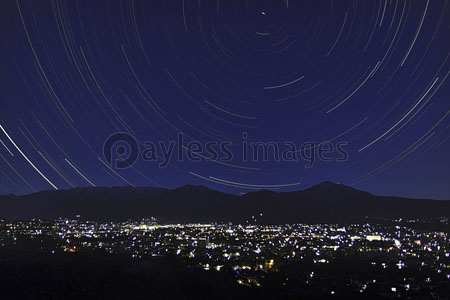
[[326, 184]]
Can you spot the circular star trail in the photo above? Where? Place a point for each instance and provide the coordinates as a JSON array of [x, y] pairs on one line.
[[372, 75]]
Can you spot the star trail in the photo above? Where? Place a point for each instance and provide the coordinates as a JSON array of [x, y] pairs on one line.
[[371, 75]]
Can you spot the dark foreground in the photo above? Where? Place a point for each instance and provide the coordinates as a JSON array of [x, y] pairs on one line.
[[25, 275], [34, 275], [31, 275]]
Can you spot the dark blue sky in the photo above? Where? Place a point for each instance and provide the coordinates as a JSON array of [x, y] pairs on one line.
[[370, 76]]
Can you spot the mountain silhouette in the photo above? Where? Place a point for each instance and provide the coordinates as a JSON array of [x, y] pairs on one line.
[[325, 202]]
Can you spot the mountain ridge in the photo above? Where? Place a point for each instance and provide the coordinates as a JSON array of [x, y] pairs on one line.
[[323, 202]]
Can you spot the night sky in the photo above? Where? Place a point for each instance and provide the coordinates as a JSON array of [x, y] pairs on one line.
[[371, 75]]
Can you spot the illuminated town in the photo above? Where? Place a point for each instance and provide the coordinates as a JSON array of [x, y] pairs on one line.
[[391, 258]]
